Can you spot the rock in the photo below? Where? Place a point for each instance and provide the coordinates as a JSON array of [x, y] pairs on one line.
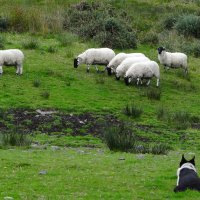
[[50, 112], [140, 156], [8, 198], [81, 122], [55, 148], [42, 172]]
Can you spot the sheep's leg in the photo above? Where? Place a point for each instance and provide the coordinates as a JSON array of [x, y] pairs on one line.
[[141, 81], [138, 80], [18, 69], [157, 84], [96, 68], [148, 82], [88, 68], [21, 70], [1, 70]]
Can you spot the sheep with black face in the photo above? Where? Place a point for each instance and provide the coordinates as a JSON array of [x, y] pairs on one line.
[[118, 59], [143, 70], [94, 56], [172, 60]]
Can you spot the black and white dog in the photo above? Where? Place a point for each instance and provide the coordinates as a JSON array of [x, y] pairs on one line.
[[187, 177]]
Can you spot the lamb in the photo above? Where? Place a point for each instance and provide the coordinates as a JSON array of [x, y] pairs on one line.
[[12, 57], [125, 65], [143, 70], [113, 64], [173, 60], [94, 56]]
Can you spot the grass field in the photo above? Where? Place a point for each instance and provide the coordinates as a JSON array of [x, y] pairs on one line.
[[83, 167]]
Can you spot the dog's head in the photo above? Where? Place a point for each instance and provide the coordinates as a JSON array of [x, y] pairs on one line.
[[183, 161]]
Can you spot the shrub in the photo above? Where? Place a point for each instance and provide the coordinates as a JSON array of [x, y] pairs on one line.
[[67, 39], [154, 93], [181, 120], [133, 110], [169, 22], [150, 38], [4, 23], [15, 139], [45, 95], [52, 49], [30, 44], [189, 25], [18, 19], [162, 113], [119, 138], [103, 24], [158, 149], [36, 83], [2, 41]]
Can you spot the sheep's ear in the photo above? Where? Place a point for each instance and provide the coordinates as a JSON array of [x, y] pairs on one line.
[[183, 160], [192, 161]]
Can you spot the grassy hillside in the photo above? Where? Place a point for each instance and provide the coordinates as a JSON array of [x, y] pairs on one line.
[[88, 101]]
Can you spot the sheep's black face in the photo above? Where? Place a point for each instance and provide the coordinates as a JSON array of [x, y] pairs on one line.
[[160, 49], [109, 71], [126, 80], [183, 161], [117, 77], [75, 63]]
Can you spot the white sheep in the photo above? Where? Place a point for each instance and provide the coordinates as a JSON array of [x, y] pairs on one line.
[[173, 60], [12, 57], [143, 70], [126, 64], [94, 56], [113, 64]]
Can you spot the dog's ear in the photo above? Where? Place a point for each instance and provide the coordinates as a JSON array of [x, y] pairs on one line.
[[192, 161], [183, 160]]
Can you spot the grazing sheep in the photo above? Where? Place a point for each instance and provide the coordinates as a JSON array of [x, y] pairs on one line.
[[173, 60], [99, 56], [113, 64], [125, 65], [12, 57], [143, 70]]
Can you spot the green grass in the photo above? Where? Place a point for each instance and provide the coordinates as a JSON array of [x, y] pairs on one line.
[[88, 174], [84, 168]]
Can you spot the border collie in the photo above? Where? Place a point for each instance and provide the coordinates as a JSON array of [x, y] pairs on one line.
[[187, 177]]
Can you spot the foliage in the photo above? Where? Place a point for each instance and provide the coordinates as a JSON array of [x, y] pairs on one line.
[[30, 43], [4, 23], [154, 93], [133, 110], [15, 139], [119, 138], [2, 41], [36, 83], [189, 25], [107, 28], [169, 22]]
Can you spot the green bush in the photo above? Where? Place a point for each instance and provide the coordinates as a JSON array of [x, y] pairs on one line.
[[133, 110], [181, 120], [2, 41], [119, 138], [31, 43], [169, 22], [15, 139], [154, 93], [189, 25], [4, 23], [158, 149], [150, 38], [103, 24]]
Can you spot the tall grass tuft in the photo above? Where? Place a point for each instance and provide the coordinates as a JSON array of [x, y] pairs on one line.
[[15, 139], [181, 119], [31, 43], [119, 138], [133, 110], [36, 83], [154, 93], [2, 42]]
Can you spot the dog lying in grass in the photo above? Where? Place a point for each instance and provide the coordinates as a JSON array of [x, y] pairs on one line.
[[187, 177]]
